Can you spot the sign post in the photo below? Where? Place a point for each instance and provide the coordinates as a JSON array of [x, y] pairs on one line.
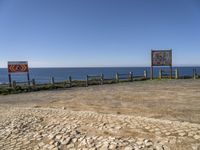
[[151, 65], [161, 58], [18, 67], [9, 79]]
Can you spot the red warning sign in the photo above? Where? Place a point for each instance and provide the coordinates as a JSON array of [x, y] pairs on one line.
[[17, 66]]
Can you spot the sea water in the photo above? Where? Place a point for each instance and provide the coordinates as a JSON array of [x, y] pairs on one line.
[[43, 75]]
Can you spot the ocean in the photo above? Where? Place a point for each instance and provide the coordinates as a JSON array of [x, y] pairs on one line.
[[42, 75]]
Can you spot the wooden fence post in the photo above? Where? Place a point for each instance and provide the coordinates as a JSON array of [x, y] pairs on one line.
[[86, 82], [145, 74], [14, 84], [160, 74], [176, 73], [102, 79], [52, 80], [28, 78], [131, 76], [152, 73], [171, 72], [10, 80], [70, 81], [194, 73], [117, 77], [33, 82]]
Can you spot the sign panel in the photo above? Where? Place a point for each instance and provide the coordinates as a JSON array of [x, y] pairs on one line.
[[161, 57], [17, 66]]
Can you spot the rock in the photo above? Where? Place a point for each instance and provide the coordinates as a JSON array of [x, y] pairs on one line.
[[146, 141], [136, 147], [36, 147], [66, 141], [81, 138], [158, 133], [128, 148], [41, 144], [196, 137], [83, 143], [195, 147], [90, 141], [167, 133], [147, 128], [58, 137], [57, 144], [190, 134], [118, 127], [27, 142], [158, 147], [51, 147], [104, 146], [93, 148], [51, 136], [112, 146], [84, 149], [148, 144], [139, 141], [74, 140], [51, 142], [172, 139], [182, 134], [70, 146], [166, 147], [111, 138]]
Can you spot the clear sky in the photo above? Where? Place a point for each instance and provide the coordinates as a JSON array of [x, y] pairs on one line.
[[90, 33]]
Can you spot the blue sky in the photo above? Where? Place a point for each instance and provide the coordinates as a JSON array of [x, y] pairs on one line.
[[90, 33]]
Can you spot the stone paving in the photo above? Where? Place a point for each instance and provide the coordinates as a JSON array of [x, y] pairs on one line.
[[54, 129]]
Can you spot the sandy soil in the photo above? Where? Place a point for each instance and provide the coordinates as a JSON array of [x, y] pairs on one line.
[[159, 114], [166, 99]]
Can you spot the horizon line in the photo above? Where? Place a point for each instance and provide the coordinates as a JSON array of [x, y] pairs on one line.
[[111, 66]]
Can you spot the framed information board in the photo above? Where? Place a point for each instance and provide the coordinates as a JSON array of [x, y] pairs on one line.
[[161, 58], [18, 67]]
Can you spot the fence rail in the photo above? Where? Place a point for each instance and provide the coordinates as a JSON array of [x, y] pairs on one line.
[[94, 80], [169, 73], [97, 79], [196, 74]]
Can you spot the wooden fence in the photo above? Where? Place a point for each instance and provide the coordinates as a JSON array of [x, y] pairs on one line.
[[176, 74], [100, 79], [90, 80], [196, 74], [130, 77], [167, 74]]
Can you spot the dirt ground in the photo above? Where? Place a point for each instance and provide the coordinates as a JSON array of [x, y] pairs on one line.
[[166, 99], [158, 114]]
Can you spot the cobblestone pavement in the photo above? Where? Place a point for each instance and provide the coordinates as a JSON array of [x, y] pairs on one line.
[[53, 129]]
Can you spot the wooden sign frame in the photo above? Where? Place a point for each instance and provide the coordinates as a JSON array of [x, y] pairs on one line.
[[18, 67], [165, 60]]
